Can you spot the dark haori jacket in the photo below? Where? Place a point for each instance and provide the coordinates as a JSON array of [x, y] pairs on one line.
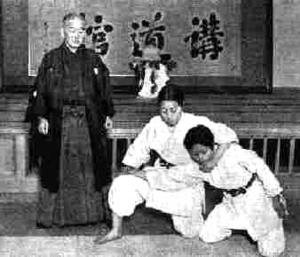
[[47, 100]]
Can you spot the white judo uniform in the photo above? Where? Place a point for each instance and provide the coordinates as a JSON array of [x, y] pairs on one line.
[[176, 190], [252, 211]]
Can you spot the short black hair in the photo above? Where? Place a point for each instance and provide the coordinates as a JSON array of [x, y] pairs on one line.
[[171, 92], [199, 135], [73, 15]]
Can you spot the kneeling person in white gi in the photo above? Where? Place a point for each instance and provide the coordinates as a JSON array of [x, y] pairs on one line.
[[252, 198], [171, 185]]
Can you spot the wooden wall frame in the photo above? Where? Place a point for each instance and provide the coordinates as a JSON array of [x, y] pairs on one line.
[[1, 56], [256, 52]]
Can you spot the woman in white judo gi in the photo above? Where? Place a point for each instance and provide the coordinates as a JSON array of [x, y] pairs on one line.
[[252, 198], [166, 186]]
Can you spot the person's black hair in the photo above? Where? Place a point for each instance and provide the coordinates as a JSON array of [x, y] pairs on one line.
[[73, 15], [171, 92], [199, 135]]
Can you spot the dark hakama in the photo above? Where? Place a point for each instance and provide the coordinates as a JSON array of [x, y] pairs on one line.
[[77, 201]]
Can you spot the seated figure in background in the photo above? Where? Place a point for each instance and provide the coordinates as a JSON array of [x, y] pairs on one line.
[[170, 185], [151, 72]]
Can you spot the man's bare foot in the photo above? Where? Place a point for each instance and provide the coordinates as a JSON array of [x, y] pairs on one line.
[[110, 236]]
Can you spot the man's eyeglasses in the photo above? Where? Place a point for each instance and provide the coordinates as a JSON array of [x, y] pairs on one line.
[[72, 30]]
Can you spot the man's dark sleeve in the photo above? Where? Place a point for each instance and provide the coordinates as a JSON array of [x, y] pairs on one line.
[[105, 89], [36, 108], [39, 90]]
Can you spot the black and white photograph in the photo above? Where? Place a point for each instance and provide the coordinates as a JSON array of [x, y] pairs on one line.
[[149, 128]]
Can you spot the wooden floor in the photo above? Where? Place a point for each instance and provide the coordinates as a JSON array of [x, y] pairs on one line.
[[146, 234]]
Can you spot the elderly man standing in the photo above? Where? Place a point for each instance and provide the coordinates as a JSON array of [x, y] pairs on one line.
[[72, 109]]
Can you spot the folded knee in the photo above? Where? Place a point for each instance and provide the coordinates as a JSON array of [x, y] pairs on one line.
[[270, 252], [121, 181], [272, 244], [271, 249], [125, 193], [121, 185]]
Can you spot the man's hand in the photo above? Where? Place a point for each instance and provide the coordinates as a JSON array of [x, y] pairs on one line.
[[108, 123], [125, 170], [280, 206], [140, 174], [43, 126]]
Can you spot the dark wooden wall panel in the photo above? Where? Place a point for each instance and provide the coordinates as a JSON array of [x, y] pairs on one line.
[[1, 56], [15, 42]]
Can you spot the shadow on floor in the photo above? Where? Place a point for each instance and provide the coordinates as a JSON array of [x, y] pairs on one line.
[[18, 219]]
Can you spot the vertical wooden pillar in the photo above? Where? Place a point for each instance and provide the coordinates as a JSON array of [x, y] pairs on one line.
[[268, 53], [1, 49], [20, 157]]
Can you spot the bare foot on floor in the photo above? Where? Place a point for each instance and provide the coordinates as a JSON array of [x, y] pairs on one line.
[[110, 236]]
